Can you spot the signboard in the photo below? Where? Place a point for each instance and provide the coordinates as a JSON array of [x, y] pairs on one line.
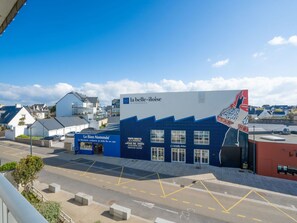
[[134, 143]]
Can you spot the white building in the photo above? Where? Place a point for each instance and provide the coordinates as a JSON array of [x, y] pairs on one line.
[[58, 126]]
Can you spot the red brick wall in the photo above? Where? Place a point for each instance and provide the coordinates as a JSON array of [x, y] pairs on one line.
[[269, 155]]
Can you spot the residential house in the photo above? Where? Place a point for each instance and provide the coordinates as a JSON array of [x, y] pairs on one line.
[[76, 104], [58, 126], [15, 119], [39, 111]]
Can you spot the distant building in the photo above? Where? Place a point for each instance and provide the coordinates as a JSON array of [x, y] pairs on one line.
[[76, 104], [115, 107], [39, 111]]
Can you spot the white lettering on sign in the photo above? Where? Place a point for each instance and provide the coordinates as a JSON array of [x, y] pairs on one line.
[[134, 143]]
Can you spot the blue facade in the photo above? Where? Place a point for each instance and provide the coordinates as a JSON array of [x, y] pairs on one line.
[[110, 143], [137, 133]]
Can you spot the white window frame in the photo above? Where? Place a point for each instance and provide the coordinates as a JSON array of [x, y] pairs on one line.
[[157, 151], [156, 133], [204, 135], [178, 134], [179, 155], [200, 153]]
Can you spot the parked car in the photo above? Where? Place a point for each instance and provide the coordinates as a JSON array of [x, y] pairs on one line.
[[61, 137], [71, 134], [53, 138]]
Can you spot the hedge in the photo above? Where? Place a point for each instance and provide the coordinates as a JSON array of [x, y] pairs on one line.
[[8, 166]]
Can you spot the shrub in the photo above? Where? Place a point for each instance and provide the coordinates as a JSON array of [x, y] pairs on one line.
[[8, 166], [31, 197], [50, 210], [26, 170]]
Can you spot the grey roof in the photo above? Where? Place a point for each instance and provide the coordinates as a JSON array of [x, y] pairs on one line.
[[111, 129], [288, 139], [7, 113], [71, 121], [50, 124], [93, 100]]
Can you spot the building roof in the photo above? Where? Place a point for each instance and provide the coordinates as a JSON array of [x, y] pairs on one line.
[[93, 100], [8, 10], [7, 113], [50, 124], [287, 139], [71, 121]]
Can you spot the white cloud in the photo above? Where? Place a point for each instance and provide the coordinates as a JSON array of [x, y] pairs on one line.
[[262, 90], [278, 40], [221, 63], [293, 40], [258, 54]]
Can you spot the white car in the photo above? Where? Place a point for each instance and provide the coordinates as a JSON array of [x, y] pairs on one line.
[[71, 134], [62, 138]]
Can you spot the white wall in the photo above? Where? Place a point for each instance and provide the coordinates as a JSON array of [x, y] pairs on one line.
[[64, 106], [28, 120], [16, 131], [56, 132]]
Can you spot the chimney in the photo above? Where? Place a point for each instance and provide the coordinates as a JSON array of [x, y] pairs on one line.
[[18, 105]]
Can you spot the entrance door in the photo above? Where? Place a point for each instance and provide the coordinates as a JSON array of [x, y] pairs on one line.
[[98, 148]]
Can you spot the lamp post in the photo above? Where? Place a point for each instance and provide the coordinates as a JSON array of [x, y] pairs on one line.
[[254, 151], [30, 140]]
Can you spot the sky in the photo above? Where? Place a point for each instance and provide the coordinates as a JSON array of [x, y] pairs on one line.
[[106, 48]]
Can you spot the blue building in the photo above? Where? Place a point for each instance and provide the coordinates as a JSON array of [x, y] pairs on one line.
[[188, 127]]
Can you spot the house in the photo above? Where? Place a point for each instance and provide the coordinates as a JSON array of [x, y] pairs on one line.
[[39, 111], [13, 116], [76, 104], [15, 119], [264, 114], [58, 126]]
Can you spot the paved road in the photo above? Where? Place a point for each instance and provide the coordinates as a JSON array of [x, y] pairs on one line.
[[151, 194]]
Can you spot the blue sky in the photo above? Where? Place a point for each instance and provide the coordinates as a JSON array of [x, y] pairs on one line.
[[148, 43]]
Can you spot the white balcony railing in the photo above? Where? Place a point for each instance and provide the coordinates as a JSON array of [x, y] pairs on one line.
[[14, 208]]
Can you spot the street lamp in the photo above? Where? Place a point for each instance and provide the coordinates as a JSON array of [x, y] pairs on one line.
[[254, 151], [30, 140]]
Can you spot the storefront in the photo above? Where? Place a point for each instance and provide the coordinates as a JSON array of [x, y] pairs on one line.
[[97, 144]]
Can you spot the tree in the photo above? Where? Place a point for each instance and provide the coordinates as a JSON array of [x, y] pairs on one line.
[[26, 171]]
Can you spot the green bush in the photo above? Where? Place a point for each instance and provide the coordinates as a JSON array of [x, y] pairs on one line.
[[31, 197], [50, 210], [28, 137], [8, 166]]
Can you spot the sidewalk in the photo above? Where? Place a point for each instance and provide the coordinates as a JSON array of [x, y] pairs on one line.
[[221, 175], [95, 212]]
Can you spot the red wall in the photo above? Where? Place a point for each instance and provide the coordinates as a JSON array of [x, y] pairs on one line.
[[269, 155]]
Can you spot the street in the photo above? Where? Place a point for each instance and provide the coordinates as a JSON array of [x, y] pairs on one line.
[[151, 194]]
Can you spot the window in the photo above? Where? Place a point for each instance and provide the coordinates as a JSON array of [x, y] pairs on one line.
[[201, 137], [157, 136], [201, 156], [86, 146], [178, 155], [157, 154], [178, 137]]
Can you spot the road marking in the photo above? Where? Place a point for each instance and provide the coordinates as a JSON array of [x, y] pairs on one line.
[[210, 208], [174, 199], [142, 191], [121, 175], [226, 212], [238, 202], [241, 216], [174, 192], [213, 196], [256, 219], [273, 205], [198, 205], [186, 202], [88, 168], [161, 185], [153, 194]]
